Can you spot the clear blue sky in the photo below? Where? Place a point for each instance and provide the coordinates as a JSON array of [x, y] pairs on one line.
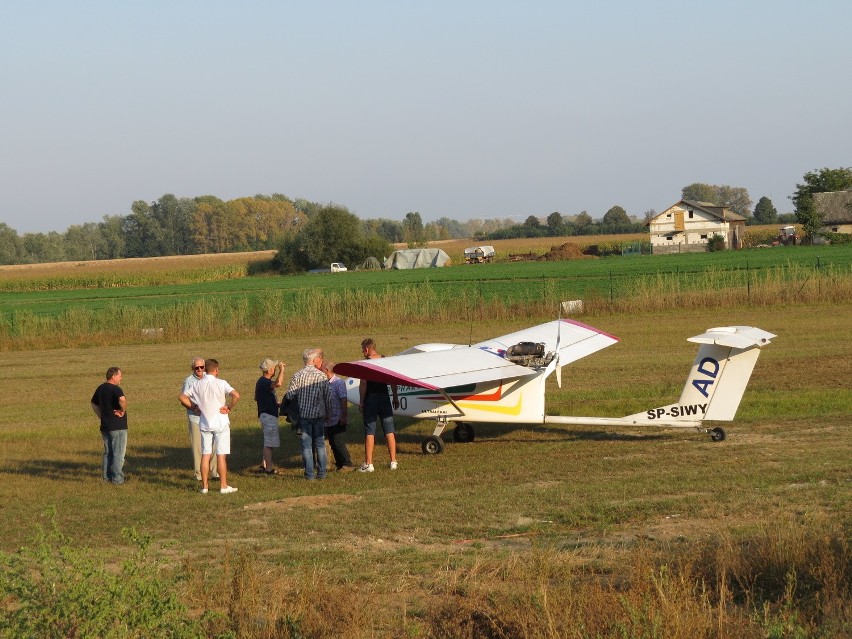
[[461, 109]]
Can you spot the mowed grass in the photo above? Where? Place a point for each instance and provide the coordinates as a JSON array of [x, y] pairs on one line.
[[396, 548]]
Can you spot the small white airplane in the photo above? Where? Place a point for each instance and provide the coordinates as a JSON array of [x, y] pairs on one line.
[[502, 380]]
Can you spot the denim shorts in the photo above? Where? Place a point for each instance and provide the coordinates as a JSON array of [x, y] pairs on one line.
[[271, 432], [378, 407]]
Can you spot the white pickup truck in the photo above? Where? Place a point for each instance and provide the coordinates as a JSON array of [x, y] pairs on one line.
[[338, 267]]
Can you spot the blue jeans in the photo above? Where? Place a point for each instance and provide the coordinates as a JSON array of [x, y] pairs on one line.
[[115, 445], [313, 438]]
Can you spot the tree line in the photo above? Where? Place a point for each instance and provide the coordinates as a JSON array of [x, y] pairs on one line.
[[206, 224]]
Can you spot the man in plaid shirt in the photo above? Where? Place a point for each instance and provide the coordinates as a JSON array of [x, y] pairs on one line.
[[310, 388]]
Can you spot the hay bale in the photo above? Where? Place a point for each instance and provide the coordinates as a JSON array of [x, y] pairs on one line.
[[572, 307]]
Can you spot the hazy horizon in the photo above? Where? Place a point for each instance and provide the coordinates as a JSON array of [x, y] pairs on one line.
[[459, 110]]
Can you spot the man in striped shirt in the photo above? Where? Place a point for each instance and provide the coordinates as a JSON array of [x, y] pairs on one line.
[[310, 388]]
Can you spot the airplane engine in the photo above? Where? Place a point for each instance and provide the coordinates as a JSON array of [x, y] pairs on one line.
[[528, 354]]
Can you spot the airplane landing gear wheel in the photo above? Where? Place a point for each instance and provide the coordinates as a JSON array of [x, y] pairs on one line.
[[432, 445], [717, 435], [463, 433]]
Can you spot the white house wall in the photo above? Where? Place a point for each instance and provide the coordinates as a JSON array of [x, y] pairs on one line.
[[839, 228], [697, 230]]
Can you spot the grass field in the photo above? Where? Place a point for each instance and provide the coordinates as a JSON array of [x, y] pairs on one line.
[[527, 532], [182, 296]]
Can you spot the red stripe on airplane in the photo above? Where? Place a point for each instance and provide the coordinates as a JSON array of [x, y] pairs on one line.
[[482, 397]]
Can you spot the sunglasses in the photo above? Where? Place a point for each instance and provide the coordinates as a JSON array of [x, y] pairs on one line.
[[198, 368]]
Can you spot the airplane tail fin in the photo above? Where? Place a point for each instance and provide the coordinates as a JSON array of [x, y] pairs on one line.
[[718, 377]]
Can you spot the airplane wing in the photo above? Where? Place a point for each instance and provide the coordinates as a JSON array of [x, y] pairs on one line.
[[436, 370], [482, 362], [571, 340]]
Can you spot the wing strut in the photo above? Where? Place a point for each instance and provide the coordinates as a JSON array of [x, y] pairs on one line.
[[450, 401]]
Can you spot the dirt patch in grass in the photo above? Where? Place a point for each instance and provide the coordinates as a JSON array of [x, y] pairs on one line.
[[305, 501]]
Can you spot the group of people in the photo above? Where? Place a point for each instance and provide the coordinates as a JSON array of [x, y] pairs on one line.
[[315, 401]]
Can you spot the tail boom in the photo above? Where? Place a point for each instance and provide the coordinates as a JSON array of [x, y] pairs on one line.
[[718, 377]]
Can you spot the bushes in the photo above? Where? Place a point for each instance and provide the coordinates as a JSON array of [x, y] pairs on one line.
[[716, 243], [838, 238], [54, 590]]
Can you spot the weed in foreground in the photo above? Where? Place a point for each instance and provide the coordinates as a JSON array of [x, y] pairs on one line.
[[791, 581], [53, 590]]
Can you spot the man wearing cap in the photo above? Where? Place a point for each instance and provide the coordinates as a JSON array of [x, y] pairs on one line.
[[193, 415], [216, 399], [267, 409]]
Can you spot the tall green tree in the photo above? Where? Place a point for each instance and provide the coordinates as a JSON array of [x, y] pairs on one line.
[[616, 220], [112, 232], [210, 226], [142, 232], [734, 198], [412, 229], [332, 235], [174, 216], [822, 181], [584, 223], [555, 224], [455, 229], [44, 247], [83, 242], [434, 231], [765, 212], [306, 207], [700, 192], [11, 246], [389, 230], [532, 222]]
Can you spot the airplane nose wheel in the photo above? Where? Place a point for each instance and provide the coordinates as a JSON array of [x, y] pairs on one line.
[[432, 445], [463, 433], [717, 435]]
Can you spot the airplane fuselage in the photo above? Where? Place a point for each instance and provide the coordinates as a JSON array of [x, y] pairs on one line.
[[519, 401]]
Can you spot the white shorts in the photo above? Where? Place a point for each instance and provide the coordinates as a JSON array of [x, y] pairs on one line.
[[222, 440], [271, 432]]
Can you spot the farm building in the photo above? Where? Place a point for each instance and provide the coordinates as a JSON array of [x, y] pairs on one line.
[[417, 258], [686, 226], [836, 209]]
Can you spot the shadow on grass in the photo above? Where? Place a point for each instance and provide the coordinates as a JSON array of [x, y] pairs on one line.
[[171, 466], [536, 434], [166, 466]]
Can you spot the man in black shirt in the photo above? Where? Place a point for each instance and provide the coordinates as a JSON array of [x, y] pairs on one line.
[[110, 405], [376, 406]]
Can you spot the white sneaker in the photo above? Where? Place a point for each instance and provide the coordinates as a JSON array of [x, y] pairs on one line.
[[394, 465], [227, 490], [204, 491], [366, 468]]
